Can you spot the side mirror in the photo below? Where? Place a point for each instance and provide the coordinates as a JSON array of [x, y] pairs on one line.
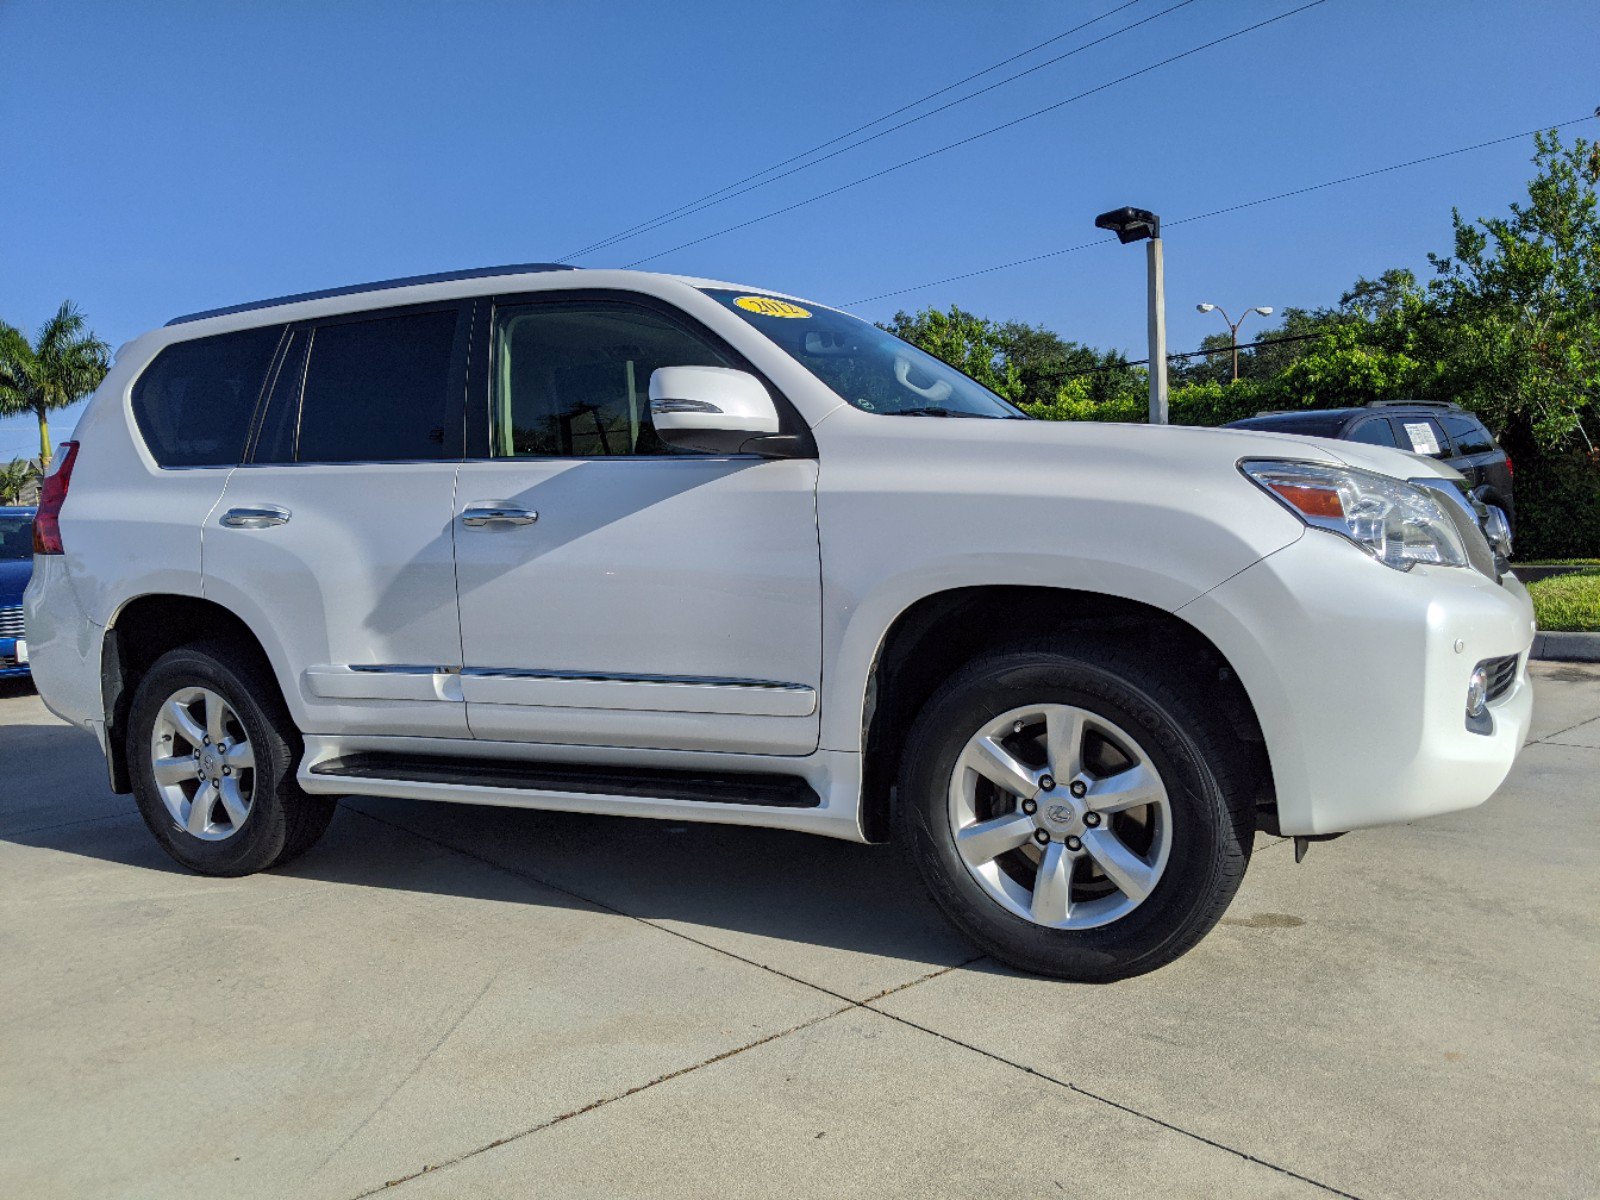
[[715, 410]]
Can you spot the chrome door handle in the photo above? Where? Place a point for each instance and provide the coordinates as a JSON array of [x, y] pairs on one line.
[[476, 516], [258, 516]]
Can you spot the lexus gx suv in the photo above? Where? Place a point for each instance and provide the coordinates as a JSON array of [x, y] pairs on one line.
[[628, 543]]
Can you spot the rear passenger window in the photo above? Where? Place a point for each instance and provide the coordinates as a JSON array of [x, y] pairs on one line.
[[1376, 432], [195, 401], [377, 390], [1468, 434]]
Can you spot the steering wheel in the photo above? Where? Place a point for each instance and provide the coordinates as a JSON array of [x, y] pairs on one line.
[[939, 391]]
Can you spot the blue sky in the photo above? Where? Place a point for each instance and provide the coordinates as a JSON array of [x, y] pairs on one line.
[[160, 158]]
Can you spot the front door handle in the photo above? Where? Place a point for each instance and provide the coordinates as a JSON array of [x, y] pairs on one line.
[[487, 512], [255, 516]]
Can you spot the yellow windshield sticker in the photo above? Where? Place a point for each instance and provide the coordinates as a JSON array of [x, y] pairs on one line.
[[766, 306]]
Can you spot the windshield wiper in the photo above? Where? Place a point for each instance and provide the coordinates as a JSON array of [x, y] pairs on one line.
[[930, 411]]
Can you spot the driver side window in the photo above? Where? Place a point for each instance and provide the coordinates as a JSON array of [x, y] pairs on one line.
[[571, 379]]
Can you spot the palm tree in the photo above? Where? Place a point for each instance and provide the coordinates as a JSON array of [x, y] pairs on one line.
[[15, 477], [65, 363]]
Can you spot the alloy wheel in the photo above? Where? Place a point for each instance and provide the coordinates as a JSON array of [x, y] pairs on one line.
[[1060, 816], [204, 764]]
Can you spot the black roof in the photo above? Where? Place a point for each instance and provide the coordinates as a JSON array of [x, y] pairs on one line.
[[380, 285]]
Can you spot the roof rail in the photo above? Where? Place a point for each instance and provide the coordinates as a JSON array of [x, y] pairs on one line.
[[1412, 404], [379, 286]]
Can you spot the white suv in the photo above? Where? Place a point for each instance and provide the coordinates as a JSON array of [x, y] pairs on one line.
[[630, 543]]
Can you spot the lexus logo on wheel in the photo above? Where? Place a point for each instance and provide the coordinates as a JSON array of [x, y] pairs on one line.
[[1060, 813]]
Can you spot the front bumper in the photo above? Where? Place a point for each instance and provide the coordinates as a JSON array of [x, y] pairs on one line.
[[1358, 674]]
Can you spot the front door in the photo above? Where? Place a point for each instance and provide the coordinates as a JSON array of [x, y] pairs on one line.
[[614, 592]]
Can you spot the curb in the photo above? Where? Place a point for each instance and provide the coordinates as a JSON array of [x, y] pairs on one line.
[[1530, 573], [1567, 647]]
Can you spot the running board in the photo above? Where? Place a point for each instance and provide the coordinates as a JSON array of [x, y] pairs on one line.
[[534, 779]]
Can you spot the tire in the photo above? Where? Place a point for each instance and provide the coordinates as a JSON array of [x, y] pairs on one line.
[[1198, 827], [257, 817]]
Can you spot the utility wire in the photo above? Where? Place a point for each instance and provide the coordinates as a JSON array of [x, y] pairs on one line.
[[858, 129], [1124, 364], [977, 136], [716, 198], [1217, 212]]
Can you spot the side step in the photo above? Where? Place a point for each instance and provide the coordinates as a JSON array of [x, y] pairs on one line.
[[643, 783]]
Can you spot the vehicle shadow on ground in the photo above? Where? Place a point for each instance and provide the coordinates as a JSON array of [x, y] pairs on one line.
[[719, 879]]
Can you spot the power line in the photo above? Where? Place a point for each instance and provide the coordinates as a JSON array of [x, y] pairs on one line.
[[976, 136], [713, 199], [858, 129], [1145, 362], [1217, 212]]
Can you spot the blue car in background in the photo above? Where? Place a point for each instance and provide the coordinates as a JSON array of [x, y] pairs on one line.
[[16, 565]]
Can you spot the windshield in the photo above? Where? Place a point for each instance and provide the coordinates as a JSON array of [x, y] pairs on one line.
[[16, 537], [870, 367]]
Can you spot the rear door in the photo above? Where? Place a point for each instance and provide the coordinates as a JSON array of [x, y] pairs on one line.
[[1476, 455], [1422, 434], [627, 594], [334, 539]]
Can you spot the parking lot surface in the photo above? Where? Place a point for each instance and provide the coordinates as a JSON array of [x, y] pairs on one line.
[[454, 1001]]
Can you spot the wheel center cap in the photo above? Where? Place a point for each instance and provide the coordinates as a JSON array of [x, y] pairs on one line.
[[208, 761], [1059, 813]]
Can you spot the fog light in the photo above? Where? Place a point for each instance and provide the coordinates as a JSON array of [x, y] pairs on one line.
[[1477, 693]]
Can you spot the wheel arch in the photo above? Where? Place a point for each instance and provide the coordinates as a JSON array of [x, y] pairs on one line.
[[140, 632], [940, 632]]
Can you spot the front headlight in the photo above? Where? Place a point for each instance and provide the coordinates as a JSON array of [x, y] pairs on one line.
[[1397, 523]]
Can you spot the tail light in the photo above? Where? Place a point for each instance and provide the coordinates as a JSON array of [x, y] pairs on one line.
[[52, 494], [1511, 467]]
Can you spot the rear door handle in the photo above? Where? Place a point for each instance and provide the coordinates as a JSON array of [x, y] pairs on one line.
[[486, 512], [255, 516]]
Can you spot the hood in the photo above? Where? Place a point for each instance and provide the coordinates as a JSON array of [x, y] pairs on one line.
[[14, 575], [1193, 445]]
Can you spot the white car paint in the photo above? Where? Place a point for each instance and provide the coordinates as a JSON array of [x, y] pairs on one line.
[[783, 572]]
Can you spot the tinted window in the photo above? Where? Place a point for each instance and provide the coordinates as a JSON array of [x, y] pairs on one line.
[[572, 379], [1376, 432], [377, 390], [16, 537], [1468, 434], [195, 402], [1422, 435]]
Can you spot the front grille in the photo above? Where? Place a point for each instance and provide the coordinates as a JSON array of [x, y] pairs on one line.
[[1502, 674], [11, 621]]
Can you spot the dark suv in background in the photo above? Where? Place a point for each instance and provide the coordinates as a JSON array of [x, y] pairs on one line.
[[1437, 429]]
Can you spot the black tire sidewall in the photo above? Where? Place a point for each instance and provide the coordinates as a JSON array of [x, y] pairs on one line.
[[261, 840], [1206, 828]]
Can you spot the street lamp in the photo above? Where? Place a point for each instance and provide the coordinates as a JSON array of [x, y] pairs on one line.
[[1132, 225], [1233, 328]]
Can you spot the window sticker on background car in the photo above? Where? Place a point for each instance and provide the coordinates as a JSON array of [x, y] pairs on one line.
[[1422, 439], [766, 306]]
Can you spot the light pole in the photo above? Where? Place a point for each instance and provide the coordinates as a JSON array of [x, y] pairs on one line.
[[1233, 328], [1132, 225]]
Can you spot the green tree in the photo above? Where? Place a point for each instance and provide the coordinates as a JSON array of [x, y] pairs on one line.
[[969, 343], [63, 364], [15, 476]]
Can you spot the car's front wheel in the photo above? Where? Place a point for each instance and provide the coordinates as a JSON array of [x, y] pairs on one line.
[[1078, 815], [213, 752]]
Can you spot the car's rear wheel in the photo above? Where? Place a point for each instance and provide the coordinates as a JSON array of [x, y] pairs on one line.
[[213, 754], [1076, 814]]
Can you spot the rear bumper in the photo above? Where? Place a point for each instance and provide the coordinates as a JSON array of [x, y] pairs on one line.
[[1358, 674], [63, 646]]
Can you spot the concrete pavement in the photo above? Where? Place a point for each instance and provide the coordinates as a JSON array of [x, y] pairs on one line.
[[478, 1002]]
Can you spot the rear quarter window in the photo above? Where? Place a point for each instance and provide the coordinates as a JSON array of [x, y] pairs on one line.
[[195, 401], [1468, 433]]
